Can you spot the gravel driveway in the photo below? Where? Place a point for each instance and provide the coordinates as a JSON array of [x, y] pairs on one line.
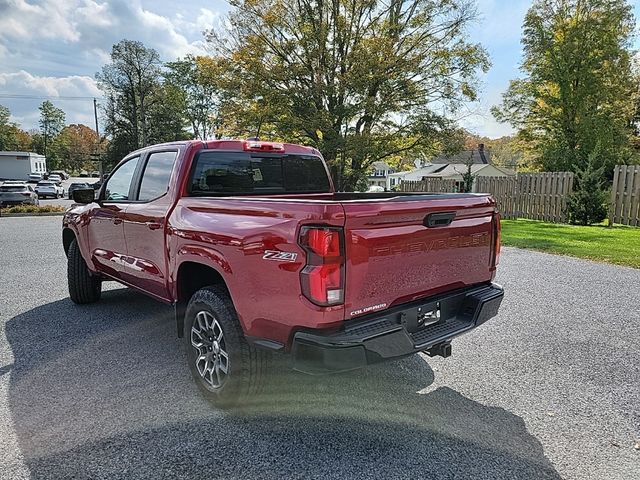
[[548, 389]]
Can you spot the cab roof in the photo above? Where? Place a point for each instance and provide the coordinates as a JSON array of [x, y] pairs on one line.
[[243, 145]]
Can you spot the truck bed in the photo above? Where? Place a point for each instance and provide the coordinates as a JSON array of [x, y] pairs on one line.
[[391, 256]]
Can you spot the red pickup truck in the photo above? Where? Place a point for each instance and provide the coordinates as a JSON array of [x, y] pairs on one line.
[[257, 253]]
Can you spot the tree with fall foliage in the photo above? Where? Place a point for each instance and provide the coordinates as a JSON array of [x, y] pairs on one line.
[[362, 81], [75, 147], [11, 136], [578, 91]]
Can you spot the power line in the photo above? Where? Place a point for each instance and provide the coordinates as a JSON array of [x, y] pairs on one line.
[[47, 97]]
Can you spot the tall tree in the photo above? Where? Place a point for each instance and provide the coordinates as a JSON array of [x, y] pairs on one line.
[[166, 117], [129, 83], [51, 123], [361, 80], [577, 94], [196, 82]]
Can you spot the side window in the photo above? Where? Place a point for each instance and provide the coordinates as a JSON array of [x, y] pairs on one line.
[[157, 172], [117, 187]]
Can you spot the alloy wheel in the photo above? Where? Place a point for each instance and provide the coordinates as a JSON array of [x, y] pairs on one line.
[[212, 359]]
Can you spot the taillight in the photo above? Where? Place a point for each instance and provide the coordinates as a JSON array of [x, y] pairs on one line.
[[496, 239], [322, 278], [258, 146]]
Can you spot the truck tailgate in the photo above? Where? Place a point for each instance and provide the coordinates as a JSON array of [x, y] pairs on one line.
[[393, 257]]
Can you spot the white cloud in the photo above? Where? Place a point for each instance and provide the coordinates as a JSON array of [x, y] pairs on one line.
[[31, 88], [55, 47], [207, 19], [53, 86], [94, 14], [51, 19], [80, 26]]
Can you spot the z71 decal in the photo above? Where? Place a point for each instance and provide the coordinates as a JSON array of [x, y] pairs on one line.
[[280, 256]]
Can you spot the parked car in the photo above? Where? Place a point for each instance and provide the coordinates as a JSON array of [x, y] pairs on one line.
[[257, 253], [34, 177], [55, 178], [76, 186], [84, 174], [95, 174], [47, 188], [17, 193], [64, 175]]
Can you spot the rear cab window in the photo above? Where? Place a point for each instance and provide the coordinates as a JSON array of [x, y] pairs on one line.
[[217, 173], [156, 175]]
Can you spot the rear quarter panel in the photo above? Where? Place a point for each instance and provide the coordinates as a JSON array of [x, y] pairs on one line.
[[232, 234]]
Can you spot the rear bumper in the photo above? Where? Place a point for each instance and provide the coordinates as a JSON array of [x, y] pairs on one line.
[[396, 332]]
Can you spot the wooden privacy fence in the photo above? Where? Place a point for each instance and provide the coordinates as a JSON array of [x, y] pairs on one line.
[[537, 196], [504, 190], [625, 196], [428, 184]]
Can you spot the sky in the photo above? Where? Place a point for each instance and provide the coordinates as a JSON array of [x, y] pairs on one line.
[[53, 48]]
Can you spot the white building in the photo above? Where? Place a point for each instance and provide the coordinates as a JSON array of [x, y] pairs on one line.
[[395, 179], [18, 165], [447, 171], [379, 173]]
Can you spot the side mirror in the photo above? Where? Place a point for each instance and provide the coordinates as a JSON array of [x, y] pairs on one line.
[[84, 195]]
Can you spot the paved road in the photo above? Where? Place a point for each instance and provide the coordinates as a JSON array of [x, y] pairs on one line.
[[549, 389]]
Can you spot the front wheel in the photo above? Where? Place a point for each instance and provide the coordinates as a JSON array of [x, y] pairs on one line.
[[226, 368], [83, 287]]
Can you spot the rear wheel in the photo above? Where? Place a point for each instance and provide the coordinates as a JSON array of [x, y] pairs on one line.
[[83, 287], [226, 368]]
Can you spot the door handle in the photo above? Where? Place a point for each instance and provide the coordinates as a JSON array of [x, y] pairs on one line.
[[153, 225], [117, 221], [438, 219]]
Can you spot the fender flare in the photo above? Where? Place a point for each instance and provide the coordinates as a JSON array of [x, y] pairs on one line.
[[208, 257]]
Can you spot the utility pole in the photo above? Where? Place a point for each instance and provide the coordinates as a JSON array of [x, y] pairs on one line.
[[95, 115]]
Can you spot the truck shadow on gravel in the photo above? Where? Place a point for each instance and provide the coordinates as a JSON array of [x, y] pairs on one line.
[[103, 391]]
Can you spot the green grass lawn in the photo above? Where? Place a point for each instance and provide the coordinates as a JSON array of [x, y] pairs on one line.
[[619, 245]]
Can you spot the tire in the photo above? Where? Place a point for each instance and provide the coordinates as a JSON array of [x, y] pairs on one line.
[[83, 287], [246, 366]]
